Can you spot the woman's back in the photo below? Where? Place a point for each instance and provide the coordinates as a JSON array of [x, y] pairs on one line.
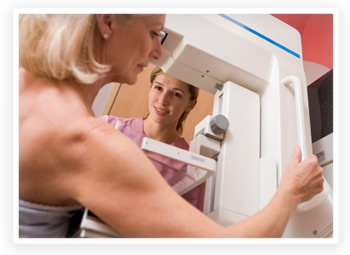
[[47, 135]]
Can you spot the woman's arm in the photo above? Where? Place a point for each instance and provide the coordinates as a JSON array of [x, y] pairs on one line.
[[117, 182]]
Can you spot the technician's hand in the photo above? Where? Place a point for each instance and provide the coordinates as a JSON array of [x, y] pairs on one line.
[[302, 180]]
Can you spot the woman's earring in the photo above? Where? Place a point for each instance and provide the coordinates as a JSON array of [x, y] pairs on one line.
[[106, 36]]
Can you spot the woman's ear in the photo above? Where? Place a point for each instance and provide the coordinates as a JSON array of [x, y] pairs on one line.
[[104, 24]]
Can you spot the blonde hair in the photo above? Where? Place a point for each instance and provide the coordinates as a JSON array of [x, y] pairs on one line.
[[59, 46], [194, 91]]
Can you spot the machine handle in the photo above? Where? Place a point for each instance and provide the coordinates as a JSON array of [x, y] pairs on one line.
[[299, 104], [299, 107]]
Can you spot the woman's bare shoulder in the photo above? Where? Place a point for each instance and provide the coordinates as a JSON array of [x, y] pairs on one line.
[[105, 156]]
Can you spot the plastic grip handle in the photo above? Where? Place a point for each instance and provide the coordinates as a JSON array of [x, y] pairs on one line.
[[299, 107], [300, 116]]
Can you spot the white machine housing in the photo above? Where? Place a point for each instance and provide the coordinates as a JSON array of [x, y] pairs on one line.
[[253, 64]]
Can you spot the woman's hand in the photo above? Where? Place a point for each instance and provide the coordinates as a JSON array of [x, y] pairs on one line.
[[302, 180]]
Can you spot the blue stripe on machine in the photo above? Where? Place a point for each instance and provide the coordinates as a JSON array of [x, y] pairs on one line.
[[260, 35]]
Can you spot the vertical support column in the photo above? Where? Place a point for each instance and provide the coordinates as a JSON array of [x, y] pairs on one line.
[[236, 191]]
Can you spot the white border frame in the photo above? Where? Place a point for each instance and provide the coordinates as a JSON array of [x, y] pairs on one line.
[[333, 240]]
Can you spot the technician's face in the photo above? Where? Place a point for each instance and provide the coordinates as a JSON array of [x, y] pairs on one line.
[[135, 42], [168, 99]]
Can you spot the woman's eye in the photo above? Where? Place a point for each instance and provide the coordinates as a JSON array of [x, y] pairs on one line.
[[175, 94], [154, 34], [157, 87]]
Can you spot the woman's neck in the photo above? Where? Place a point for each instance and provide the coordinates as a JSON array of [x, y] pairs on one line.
[[88, 92], [163, 133]]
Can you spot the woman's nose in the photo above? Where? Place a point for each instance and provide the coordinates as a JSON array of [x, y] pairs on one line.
[[157, 50], [163, 98]]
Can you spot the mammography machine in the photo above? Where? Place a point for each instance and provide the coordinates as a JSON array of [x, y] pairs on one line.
[[253, 64]]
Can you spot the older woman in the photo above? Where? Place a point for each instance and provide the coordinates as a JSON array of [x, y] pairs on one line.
[[68, 159]]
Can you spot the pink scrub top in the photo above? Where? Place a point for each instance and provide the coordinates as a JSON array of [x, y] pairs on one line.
[[133, 128]]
